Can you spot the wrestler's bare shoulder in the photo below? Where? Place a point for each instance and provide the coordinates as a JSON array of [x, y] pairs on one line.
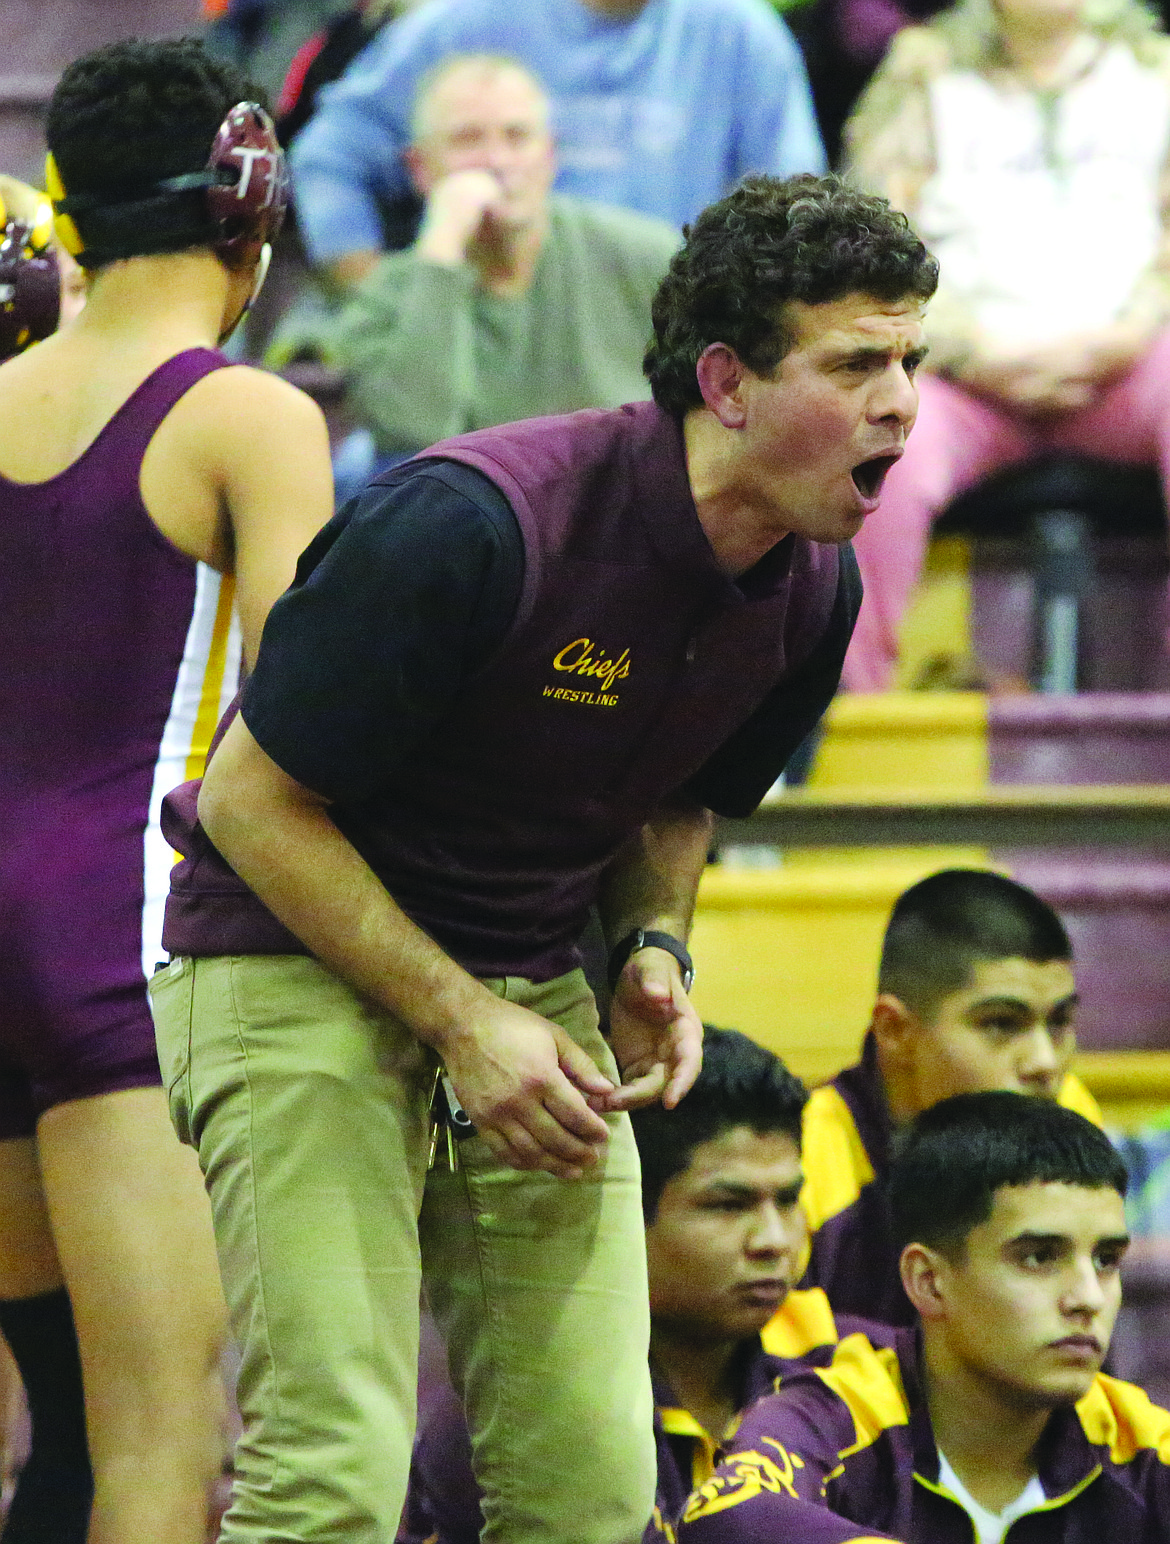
[[56, 398], [241, 439], [241, 451]]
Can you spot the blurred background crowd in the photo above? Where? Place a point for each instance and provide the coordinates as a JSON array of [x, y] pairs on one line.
[[485, 198]]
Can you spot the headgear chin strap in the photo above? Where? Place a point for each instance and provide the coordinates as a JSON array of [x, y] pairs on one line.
[[262, 264], [30, 283], [245, 185]]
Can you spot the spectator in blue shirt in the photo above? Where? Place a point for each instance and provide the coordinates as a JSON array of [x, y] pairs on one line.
[[659, 107]]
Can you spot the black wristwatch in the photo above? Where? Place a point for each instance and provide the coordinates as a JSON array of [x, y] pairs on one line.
[[641, 938]]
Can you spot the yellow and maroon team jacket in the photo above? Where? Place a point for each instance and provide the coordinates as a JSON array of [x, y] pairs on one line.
[[845, 1152], [846, 1453]]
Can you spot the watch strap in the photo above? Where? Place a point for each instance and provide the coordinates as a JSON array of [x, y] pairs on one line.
[[649, 938]]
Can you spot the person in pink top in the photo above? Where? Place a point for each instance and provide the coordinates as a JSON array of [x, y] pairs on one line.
[[1029, 143]]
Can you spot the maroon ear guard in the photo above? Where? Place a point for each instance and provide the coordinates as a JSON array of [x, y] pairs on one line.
[[249, 209], [30, 290], [245, 188]]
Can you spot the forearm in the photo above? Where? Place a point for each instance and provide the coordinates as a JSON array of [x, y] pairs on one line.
[[653, 881], [283, 844]]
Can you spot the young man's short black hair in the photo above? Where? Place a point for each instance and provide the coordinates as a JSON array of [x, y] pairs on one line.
[[944, 925], [957, 1154], [741, 1084], [772, 240], [126, 116]]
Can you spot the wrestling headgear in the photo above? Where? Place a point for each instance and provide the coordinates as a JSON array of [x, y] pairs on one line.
[[245, 185], [30, 284]]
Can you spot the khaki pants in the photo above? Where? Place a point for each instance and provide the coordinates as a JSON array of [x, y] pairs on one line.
[[308, 1107]]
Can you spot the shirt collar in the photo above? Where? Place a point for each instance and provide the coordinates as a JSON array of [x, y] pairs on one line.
[[1067, 1461], [666, 506]]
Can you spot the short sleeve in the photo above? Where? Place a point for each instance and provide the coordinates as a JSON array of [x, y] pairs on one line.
[[396, 603], [737, 776]]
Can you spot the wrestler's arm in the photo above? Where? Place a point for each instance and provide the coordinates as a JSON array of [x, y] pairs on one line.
[[238, 477], [655, 1032], [271, 449]]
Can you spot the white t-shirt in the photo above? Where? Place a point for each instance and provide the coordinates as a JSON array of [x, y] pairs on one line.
[[990, 1527], [1043, 212]]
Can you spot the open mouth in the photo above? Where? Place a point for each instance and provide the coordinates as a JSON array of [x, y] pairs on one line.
[[868, 476]]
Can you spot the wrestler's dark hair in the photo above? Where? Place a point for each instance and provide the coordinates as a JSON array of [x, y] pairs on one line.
[[956, 1155], [126, 116], [740, 1084], [813, 239], [943, 926]]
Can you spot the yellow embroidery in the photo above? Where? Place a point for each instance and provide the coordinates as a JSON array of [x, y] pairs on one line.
[[743, 1477], [591, 699], [578, 658]]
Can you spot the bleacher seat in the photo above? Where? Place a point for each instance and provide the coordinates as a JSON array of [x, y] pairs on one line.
[[1069, 572]]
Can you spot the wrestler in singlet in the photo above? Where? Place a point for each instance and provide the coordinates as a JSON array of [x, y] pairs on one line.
[[121, 654], [146, 483]]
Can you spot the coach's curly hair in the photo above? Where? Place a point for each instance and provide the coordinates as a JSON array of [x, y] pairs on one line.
[[126, 116], [814, 239]]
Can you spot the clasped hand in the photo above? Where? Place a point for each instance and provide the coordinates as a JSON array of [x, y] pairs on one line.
[[539, 1101]]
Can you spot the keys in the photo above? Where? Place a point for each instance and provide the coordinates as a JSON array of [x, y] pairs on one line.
[[449, 1122], [436, 1121]]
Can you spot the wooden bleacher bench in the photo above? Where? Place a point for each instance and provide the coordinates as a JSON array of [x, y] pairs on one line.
[[1130, 1086], [999, 815]]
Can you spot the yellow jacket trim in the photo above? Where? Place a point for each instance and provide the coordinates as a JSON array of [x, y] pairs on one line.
[[1075, 1096], [836, 1164], [803, 1321], [1122, 1418], [869, 1381]]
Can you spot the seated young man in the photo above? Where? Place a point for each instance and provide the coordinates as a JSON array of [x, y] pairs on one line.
[[993, 1420], [975, 992], [725, 1237]]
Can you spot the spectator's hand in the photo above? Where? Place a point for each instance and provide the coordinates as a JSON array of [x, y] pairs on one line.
[[656, 1034], [459, 213], [524, 1083], [1040, 382]]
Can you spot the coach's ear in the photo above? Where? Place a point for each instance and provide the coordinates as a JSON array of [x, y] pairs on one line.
[[720, 373], [924, 1276]]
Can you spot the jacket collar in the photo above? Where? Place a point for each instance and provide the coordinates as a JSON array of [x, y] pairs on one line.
[[862, 1089], [1067, 1461]]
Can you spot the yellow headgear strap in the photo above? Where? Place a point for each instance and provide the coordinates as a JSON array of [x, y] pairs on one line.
[[42, 231], [67, 233]]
